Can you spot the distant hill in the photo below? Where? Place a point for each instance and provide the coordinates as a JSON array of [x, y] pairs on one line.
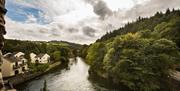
[[53, 48], [73, 45]]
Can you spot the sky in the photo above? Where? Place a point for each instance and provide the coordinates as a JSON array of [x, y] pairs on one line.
[[78, 21]]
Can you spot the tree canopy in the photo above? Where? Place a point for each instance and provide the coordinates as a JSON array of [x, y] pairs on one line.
[[140, 55]]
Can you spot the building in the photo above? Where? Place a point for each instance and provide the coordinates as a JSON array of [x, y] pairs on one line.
[[2, 87], [41, 58], [14, 63]]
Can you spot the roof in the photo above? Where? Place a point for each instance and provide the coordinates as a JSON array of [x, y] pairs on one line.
[[40, 55], [7, 54], [11, 58], [14, 53]]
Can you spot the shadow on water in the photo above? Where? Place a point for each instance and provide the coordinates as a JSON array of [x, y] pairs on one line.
[[105, 85]]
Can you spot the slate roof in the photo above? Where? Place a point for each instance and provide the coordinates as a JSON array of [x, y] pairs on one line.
[[11, 58], [40, 55]]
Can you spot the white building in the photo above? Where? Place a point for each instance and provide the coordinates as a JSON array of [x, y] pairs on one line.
[[41, 58], [14, 63]]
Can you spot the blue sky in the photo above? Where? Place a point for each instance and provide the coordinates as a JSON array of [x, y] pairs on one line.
[[78, 21], [19, 12]]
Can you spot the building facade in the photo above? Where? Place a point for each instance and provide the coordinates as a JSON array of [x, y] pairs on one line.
[[13, 64], [41, 58]]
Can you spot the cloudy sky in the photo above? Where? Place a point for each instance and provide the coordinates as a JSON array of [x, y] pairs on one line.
[[79, 21]]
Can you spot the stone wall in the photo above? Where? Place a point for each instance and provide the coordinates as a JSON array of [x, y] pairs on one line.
[[2, 32]]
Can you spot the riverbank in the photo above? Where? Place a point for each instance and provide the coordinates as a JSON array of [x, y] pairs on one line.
[[108, 82], [21, 78], [103, 80]]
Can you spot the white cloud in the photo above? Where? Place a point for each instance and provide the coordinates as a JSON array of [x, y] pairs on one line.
[[119, 4], [31, 19], [77, 21]]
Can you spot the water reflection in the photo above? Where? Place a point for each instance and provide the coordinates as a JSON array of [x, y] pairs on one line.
[[73, 77]]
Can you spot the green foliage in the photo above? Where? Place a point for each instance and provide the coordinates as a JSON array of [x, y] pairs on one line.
[[143, 24], [57, 50], [96, 53], [142, 67], [83, 51], [141, 55], [57, 55], [108, 56], [38, 67], [96, 50], [170, 30], [139, 63]]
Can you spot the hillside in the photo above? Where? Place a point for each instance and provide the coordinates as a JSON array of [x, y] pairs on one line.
[[140, 55], [145, 23], [58, 50]]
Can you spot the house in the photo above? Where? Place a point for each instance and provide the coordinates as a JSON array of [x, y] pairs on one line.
[[18, 54], [41, 58], [14, 63]]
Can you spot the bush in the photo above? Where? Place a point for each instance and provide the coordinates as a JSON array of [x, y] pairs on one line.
[[38, 67]]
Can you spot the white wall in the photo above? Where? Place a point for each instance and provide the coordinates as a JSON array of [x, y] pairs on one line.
[[7, 68], [44, 60], [19, 54], [32, 57]]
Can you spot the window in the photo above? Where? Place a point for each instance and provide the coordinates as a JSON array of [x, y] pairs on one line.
[[16, 64], [23, 62], [23, 69], [16, 72]]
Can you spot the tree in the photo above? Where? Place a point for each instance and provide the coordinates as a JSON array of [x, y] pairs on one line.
[[45, 87], [170, 30], [95, 52], [57, 55], [168, 11], [140, 54], [136, 60]]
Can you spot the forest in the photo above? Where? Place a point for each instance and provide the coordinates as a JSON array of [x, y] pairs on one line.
[[140, 55], [58, 50]]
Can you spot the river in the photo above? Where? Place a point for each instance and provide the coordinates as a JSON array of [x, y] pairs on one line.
[[73, 77]]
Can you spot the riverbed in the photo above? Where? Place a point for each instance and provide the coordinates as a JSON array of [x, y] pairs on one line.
[[73, 77]]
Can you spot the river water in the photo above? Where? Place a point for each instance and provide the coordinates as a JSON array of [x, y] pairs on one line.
[[73, 77]]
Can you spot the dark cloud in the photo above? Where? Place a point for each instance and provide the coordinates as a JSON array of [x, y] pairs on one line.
[[54, 35], [100, 8], [30, 31], [145, 9], [72, 30], [151, 7], [42, 30], [60, 26], [89, 31]]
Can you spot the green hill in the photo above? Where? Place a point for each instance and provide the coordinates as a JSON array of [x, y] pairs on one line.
[[140, 55], [58, 50], [146, 23]]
